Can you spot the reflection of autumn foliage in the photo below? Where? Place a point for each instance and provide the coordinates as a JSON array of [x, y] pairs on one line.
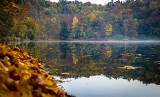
[[74, 59], [23, 76], [108, 52]]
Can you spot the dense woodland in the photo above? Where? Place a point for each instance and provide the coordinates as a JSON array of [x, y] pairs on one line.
[[70, 20]]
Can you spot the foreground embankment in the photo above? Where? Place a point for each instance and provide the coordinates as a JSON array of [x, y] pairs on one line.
[[21, 75]]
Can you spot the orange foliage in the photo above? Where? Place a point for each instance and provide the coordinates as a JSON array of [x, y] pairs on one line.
[[23, 76]]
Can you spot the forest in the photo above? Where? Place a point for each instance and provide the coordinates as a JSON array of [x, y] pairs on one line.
[[74, 20]]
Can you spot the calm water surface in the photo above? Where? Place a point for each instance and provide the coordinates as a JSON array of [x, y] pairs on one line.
[[97, 69]]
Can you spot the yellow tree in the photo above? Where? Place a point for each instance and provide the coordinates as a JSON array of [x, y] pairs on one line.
[[74, 27], [92, 17], [74, 22], [108, 29]]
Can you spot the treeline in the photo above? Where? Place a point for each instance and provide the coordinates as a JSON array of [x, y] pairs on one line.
[[67, 20], [14, 23]]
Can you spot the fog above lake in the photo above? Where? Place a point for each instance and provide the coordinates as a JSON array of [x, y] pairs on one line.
[[97, 41]]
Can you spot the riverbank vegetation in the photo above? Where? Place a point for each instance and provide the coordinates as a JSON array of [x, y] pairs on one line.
[[68, 20], [23, 76]]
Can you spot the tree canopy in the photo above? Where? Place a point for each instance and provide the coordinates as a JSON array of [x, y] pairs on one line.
[[43, 19]]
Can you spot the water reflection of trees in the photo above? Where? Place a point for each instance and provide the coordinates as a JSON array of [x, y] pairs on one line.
[[93, 59]]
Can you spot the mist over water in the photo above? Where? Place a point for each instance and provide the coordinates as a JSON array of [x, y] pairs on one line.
[[97, 41]]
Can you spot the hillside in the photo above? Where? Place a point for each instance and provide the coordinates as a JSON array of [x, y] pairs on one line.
[[68, 20]]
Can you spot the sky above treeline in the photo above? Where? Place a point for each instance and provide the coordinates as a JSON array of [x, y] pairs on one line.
[[103, 2]]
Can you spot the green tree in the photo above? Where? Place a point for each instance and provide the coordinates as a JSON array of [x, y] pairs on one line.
[[64, 33]]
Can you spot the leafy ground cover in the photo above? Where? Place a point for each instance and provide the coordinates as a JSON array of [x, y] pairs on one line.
[[21, 75]]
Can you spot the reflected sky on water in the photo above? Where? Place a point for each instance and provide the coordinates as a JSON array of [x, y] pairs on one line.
[[101, 86]]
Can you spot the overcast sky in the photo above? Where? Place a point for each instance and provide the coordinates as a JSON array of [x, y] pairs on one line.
[[103, 2]]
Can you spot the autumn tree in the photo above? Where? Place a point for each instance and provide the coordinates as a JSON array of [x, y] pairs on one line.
[[74, 28], [75, 21], [8, 10], [52, 28], [71, 8], [26, 29], [92, 16], [108, 29]]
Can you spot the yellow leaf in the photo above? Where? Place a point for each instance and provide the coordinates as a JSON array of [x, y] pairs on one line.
[[14, 5], [48, 82]]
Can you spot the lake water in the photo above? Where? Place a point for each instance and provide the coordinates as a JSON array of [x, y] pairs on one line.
[[102, 69]]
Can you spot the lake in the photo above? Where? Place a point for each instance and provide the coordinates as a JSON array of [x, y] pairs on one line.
[[101, 69]]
